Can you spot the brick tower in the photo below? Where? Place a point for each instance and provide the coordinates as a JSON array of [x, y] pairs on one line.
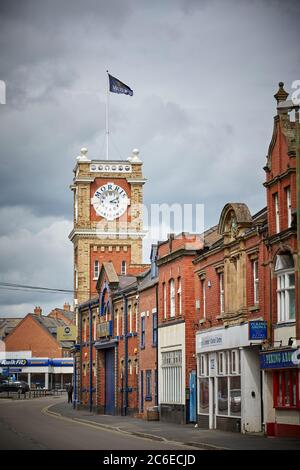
[[108, 219]]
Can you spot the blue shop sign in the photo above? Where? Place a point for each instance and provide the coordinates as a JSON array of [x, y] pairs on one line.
[[277, 359], [258, 329], [13, 362]]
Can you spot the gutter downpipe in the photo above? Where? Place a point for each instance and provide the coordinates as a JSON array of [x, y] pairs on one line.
[[125, 390], [91, 359], [156, 293]]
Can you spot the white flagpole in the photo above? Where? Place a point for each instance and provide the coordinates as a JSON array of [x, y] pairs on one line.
[[107, 118]]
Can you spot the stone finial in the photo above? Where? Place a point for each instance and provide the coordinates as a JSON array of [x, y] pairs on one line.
[[281, 94], [83, 154], [135, 157]]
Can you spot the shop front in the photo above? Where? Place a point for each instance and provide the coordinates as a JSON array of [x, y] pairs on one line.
[[39, 373], [228, 380], [280, 368]]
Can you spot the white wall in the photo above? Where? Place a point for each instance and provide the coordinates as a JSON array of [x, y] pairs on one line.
[[171, 338], [250, 382]]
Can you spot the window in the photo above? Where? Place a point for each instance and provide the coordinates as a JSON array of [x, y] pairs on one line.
[[286, 388], [95, 327], [136, 317], [123, 267], [255, 282], [221, 287], [148, 385], [117, 322], [143, 332], [203, 384], [276, 207], [96, 269], [286, 297], [179, 297], [222, 366], [289, 206], [154, 329], [171, 376], [229, 383], [165, 300], [203, 364], [130, 318], [203, 298], [76, 205], [84, 330], [76, 278], [284, 269], [235, 361], [172, 298]]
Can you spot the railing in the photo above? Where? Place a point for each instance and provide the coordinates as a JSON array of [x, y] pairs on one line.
[[33, 393]]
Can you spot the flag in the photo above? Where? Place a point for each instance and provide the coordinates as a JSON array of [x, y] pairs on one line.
[[116, 86]]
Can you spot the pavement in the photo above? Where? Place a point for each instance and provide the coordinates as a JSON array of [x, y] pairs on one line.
[[186, 435]]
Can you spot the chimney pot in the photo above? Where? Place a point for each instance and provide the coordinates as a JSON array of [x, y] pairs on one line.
[[38, 311]]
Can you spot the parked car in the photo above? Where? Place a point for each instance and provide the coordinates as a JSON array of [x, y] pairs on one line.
[[235, 400], [18, 386]]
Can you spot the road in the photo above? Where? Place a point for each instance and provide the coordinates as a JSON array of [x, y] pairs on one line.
[[24, 425]]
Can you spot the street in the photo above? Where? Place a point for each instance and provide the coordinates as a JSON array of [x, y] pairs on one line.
[[24, 425]]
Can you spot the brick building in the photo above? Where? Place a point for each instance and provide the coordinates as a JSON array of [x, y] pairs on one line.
[[209, 330], [148, 337], [246, 280], [176, 324], [36, 334]]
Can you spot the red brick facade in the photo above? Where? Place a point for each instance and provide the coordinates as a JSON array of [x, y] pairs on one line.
[[30, 335]]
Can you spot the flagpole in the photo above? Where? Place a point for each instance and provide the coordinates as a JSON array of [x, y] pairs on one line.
[[107, 118]]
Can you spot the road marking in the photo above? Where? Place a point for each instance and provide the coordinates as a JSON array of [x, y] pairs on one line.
[[46, 411]]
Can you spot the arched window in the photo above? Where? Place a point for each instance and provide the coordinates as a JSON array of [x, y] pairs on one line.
[[285, 273], [172, 298]]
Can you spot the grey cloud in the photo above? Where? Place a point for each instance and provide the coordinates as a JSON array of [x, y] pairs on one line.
[[203, 77]]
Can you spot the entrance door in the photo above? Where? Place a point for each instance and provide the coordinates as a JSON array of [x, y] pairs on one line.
[[142, 391], [110, 381], [193, 397]]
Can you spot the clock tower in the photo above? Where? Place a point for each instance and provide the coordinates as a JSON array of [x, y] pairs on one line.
[[108, 219]]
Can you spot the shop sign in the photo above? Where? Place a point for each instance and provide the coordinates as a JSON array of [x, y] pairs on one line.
[[210, 341], [277, 359], [13, 362], [67, 333], [105, 329], [258, 330]]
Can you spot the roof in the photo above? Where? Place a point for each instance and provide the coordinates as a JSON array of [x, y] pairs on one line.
[[7, 325], [148, 281], [67, 313]]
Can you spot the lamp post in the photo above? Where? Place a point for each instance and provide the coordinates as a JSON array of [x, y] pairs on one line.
[[284, 107]]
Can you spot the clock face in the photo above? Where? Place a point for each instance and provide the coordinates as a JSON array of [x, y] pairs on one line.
[[110, 201]]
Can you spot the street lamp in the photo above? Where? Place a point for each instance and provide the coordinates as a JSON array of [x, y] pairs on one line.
[[285, 107]]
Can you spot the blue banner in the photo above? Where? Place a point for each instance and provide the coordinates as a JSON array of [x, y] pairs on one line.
[[116, 86], [277, 359]]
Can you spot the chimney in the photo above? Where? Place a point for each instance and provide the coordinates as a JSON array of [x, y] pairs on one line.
[[67, 307], [37, 311]]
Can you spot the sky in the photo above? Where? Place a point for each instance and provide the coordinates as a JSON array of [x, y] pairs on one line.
[[203, 74]]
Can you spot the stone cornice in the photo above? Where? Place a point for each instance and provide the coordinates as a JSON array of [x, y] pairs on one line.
[[279, 177], [94, 233]]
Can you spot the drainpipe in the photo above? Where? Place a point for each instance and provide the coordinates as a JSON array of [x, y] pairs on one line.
[[79, 376], [156, 293], [75, 380], [125, 389], [91, 359]]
